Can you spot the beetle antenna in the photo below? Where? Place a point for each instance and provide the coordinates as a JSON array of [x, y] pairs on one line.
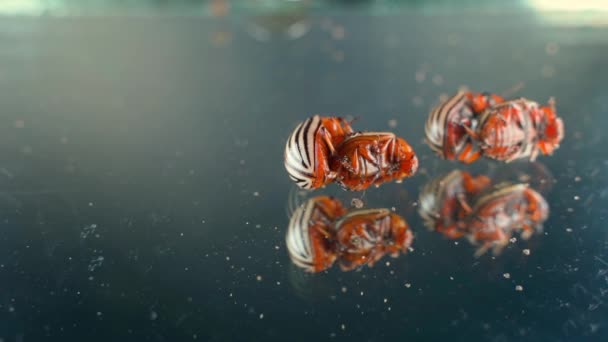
[[513, 90]]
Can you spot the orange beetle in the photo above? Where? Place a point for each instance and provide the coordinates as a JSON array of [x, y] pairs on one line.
[[309, 148], [518, 129], [311, 235], [503, 210], [365, 236], [372, 158], [447, 125], [446, 201]]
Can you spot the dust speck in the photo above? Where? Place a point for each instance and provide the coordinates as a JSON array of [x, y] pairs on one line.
[[357, 203], [551, 48]]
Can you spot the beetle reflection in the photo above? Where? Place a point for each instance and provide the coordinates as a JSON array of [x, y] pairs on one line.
[[321, 232], [461, 205]]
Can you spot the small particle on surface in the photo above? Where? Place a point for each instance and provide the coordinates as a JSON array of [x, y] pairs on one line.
[[388, 263], [342, 326], [385, 300], [451, 278], [338, 33], [258, 278], [338, 56], [362, 293], [576, 198], [519, 288], [408, 285], [99, 313], [256, 194], [577, 179], [392, 123], [506, 275], [261, 316], [526, 251], [153, 315], [569, 230], [547, 71], [344, 289], [513, 240], [357, 203], [438, 80], [551, 48], [420, 76], [221, 38]]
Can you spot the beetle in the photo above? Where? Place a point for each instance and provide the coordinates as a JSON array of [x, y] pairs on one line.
[[365, 236], [372, 158], [309, 148], [446, 201], [311, 234], [447, 125], [518, 129], [503, 210]]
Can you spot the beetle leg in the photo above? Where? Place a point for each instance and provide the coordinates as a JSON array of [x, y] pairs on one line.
[[470, 132], [325, 136], [527, 231], [483, 249], [463, 202], [346, 125], [467, 157]]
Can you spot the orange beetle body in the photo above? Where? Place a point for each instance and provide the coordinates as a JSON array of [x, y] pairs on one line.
[[519, 129], [503, 210], [366, 159], [447, 125], [365, 236], [311, 235], [445, 202], [309, 148]]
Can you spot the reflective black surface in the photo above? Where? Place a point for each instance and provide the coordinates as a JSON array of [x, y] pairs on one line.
[[143, 191]]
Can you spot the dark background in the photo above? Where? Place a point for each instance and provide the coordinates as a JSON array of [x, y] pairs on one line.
[[143, 196]]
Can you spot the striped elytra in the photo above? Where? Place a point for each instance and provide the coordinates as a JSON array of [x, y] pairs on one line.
[[448, 125], [441, 125], [310, 234], [446, 201], [309, 148]]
